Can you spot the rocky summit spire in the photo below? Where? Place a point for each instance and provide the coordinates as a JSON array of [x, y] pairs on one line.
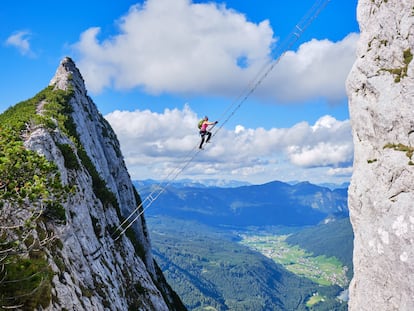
[[92, 271], [68, 74], [381, 195]]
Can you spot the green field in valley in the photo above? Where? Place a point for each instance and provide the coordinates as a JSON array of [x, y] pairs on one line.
[[320, 269]]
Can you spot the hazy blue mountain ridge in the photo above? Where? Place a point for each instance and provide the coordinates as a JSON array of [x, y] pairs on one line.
[[274, 203]]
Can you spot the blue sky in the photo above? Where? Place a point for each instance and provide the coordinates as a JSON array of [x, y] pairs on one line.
[[155, 67]]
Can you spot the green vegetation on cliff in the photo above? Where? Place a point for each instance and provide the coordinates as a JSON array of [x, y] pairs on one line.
[[31, 194]]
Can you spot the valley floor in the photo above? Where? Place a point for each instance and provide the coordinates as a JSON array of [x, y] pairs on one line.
[[320, 269]]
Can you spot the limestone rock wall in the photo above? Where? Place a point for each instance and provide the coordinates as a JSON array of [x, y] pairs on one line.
[[92, 271], [381, 195]]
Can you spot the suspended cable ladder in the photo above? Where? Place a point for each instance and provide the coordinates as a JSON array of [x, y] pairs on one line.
[[231, 110]]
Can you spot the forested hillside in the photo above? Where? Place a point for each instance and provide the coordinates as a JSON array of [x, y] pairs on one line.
[[332, 239], [216, 245], [207, 267]]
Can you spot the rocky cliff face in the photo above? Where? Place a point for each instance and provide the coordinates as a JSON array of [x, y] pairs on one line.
[[92, 271], [381, 195]]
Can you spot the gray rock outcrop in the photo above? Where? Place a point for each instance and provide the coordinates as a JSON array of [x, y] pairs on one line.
[[381, 195], [92, 271]]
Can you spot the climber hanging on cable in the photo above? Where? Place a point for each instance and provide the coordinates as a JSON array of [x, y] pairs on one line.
[[203, 124]]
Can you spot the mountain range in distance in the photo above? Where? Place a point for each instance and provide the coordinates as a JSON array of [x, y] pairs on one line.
[[274, 203], [223, 183]]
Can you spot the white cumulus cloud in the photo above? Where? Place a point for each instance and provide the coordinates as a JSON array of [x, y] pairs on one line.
[[156, 144], [318, 69], [205, 48], [327, 143], [20, 40], [174, 46]]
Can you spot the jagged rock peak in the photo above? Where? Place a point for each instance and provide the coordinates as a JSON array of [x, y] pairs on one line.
[[92, 271], [381, 194], [68, 72]]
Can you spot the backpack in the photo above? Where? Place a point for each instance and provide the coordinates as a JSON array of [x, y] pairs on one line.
[[200, 123]]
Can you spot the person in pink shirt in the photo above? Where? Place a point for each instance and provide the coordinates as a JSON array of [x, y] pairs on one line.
[[204, 132]]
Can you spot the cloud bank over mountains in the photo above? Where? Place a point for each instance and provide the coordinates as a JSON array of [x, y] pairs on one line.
[[158, 144]]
